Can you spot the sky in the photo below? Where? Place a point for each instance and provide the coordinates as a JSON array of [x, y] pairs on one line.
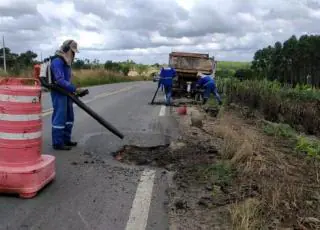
[[146, 31]]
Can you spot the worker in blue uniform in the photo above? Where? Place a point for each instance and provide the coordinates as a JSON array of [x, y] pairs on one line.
[[208, 84], [166, 77], [63, 116]]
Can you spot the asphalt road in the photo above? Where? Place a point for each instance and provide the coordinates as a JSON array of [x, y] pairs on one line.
[[91, 189]]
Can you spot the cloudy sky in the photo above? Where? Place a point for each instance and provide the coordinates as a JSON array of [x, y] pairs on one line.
[[147, 30]]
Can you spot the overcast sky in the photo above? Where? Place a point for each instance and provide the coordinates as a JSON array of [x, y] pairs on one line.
[[147, 30]]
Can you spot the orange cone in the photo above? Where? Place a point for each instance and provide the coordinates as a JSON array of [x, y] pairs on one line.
[[182, 110]]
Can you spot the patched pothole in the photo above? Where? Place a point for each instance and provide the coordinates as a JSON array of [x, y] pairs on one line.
[[156, 156], [170, 157]]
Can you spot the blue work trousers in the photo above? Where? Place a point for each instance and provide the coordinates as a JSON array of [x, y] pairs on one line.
[[168, 93], [211, 88], [62, 118]]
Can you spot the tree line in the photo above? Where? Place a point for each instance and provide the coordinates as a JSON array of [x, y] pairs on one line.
[[120, 67], [295, 61], [16, 63]]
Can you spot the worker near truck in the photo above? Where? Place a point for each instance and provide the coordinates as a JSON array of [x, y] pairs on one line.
[[207, 82], [166, 77], [63, 115]]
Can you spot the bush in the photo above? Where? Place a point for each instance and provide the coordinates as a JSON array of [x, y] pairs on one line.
[[297, 107], [309, 147], [244, 74], [224, 73]]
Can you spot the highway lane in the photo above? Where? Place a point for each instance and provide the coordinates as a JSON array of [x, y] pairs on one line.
[[94, 91], [91, 189]]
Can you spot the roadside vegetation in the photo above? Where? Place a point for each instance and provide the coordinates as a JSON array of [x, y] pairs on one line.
[[92, 72], [228, 68], [86, 72], [270, 129]]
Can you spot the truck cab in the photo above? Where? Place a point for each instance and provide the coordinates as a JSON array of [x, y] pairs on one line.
[[187, 65]]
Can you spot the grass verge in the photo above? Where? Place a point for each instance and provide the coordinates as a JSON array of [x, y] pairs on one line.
[[298, 107], [276, 178], [83, 78], [99, 77]]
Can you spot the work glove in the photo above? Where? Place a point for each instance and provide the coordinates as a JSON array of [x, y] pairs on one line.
[[81, 92]]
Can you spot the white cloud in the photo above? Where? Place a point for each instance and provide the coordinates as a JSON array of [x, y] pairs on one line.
[[147, 30]]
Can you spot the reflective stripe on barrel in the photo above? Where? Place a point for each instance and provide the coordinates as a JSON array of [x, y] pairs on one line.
[[19, 117], [20, 130], [20, 99], [20, 136]]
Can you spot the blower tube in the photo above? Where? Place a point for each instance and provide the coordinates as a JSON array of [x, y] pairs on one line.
[[83, 106]]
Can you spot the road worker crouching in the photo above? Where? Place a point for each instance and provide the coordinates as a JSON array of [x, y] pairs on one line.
[[208, 84]]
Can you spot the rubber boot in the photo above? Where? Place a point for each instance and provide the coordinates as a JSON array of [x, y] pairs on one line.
[[61, 147], [71, 143]]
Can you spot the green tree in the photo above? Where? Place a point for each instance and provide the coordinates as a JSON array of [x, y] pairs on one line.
[[292, 62], [112, 66], [78, 64], [27, 59]]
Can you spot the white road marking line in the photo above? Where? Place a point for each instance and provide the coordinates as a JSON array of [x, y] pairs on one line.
[[50, 111], [84, 221], [162, 111], [141, 204]]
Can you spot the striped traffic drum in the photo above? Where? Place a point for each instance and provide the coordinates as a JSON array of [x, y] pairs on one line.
[[20, 122]]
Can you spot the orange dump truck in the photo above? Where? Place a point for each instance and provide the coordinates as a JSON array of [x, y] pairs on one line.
[[187, 65]]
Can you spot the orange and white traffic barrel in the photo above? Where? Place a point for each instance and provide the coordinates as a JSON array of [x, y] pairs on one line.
[[23, 169]]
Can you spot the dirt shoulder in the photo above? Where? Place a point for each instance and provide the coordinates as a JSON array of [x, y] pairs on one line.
[[235, 172]]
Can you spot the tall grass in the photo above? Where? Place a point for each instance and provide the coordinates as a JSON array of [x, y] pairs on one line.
[[228, 68], [299, 107], [101, 76], [25, 73], [87, 77], [3, 73], [227, 65]]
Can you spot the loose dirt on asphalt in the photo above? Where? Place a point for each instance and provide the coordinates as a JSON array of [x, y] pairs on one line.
[[228, 174]]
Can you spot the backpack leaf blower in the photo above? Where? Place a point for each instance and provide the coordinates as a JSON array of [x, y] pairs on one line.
[[76, 100]]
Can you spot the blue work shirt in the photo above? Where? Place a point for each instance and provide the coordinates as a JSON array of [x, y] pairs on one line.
[[61, 74], [205, 80], [166, 76]]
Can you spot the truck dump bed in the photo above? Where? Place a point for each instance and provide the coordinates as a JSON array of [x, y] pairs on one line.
[[187, 65], [190, 62]]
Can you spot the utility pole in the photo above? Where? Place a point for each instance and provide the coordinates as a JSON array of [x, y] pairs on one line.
[[4, 55]]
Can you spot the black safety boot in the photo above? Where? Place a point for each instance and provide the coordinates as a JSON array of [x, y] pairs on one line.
[[71, 143], [61, 147]]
